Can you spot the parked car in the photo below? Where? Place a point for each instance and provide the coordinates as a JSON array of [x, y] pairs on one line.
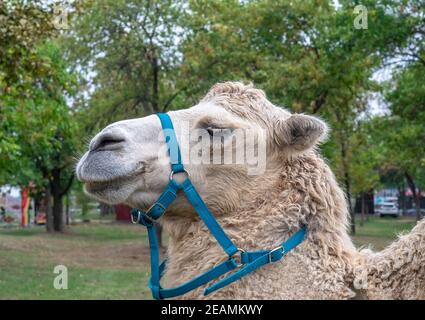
[[388, 209]]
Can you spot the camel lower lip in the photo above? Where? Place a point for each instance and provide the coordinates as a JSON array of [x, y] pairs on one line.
[[99, 187], [94, 187]]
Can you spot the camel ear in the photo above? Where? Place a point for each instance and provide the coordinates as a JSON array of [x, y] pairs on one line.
[[300, 132]]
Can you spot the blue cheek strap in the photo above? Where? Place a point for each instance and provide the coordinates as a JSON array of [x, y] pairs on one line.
[[241, 261]]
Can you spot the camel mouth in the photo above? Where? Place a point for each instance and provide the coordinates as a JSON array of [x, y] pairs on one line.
[[111, 192], [98, 179], [113, 183], [115, 189], [101, 168], [97, 187], [94, 187]]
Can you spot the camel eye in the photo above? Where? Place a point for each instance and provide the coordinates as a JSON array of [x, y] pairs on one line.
[[210, 131], [215, 128], [219, 131]]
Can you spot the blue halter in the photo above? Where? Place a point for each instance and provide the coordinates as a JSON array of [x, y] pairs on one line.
[[247, 261]]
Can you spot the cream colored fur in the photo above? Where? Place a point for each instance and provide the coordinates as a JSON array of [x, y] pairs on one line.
[[261, 212]]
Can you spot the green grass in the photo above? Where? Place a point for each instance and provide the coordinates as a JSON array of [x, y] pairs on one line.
[[104, 261], [35, 281], [379, 232], [109, 232], [22, 232]]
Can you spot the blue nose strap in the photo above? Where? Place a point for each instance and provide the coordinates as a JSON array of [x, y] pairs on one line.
[[246, 263], [172, 143]]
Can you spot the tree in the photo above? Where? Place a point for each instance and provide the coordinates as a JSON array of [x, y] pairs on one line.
[[364, 164], [307, 55], [23, 26], [37, 127], [131, 48], [46, 132], [150, 56], [404, 142], [126, 53]]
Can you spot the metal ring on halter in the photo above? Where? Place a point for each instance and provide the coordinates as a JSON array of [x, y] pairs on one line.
[[132, 217], [184, 170], [238, 264]]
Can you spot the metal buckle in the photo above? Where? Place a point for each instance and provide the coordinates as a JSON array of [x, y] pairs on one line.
[[238, 264], [145, 214], [133, 221], [139, 214], [184, 170], [274, 250]]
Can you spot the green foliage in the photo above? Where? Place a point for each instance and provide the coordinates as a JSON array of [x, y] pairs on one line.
[[364, 160], [406, 93], [133, 58], [306, 54], [128, 52], [23, 25], [37, 132], [402, 149], [41, 124]]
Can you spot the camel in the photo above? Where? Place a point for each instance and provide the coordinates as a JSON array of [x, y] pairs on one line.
[[257, 211]]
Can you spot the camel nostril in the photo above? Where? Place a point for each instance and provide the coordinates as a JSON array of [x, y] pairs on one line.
[[107, 142]]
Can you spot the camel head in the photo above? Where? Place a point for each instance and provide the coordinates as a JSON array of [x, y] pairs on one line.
[[232, 138]]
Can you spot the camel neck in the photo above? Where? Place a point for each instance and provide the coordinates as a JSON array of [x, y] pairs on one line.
[[302, 191]]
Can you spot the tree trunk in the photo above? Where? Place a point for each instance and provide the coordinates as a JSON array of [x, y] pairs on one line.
[[363, 209], [367, 207], [402, 196], [347, 186], [67, 218], [37, 203], [58, 220], [84, 210], [415, 194], [49, 212], [155, 83]]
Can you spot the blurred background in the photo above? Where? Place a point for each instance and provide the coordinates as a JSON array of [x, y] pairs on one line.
[[68, 68]]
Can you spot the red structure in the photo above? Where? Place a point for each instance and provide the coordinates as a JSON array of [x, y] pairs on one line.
[[122, 212], [25, 203]]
